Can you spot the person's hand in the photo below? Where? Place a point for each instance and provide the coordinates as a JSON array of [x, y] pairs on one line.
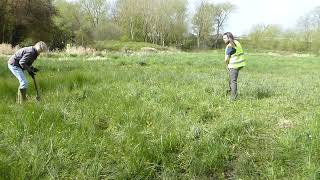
[[31, 73], [34, 69]]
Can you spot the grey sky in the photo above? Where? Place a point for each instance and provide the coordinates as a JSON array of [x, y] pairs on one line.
[[250, 12]]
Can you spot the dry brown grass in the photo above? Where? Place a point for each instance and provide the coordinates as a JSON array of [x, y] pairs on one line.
[[73, 50], [7, 49]]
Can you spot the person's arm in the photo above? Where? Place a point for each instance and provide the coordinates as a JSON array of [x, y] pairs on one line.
[[227, 59], [24, 63], [230, 51]]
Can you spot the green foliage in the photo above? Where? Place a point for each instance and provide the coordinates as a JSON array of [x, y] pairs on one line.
[[203, 21], [162, 116], [315, 45], [265, 36], [303, 38], [161, 22], [271, 37], [20, 20]]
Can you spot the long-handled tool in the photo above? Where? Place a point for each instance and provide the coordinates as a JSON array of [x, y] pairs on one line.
[[228, 75], [36, 86]]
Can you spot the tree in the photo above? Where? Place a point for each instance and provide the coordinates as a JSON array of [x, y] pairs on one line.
[[4, 20], [305, 26], [309, 26], [265, 36], [223, 11], [315, 18], [169, 23], [128, 15], [70, 21], [203, 24], [177, 13], [95, 10], [80, 22], [157, 21], [30, 19]]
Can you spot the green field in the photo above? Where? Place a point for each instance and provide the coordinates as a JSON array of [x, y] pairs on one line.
[[163, 116]]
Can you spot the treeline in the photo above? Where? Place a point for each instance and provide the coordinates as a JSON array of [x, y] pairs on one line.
[[84, 22], [26, 20], [305, 37], [161, 22]]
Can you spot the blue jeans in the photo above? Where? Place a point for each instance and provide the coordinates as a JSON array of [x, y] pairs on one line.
[[18, 73]]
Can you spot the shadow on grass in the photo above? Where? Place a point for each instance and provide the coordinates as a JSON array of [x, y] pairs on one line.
[[257, 93], [263, 93]]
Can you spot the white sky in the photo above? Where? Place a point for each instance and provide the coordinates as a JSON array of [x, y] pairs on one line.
[[250, 12]]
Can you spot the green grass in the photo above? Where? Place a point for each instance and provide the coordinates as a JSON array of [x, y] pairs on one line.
[[163, 116]]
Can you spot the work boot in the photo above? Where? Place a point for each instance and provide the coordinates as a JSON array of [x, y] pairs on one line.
[[233, 96], [228, 92], [22, 96]]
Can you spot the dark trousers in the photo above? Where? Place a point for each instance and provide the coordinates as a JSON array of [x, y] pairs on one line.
[[233, 78]]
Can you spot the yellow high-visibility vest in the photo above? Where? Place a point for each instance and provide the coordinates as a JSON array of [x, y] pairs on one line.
[[237, 60]]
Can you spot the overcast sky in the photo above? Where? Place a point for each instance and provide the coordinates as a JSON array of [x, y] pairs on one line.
[[250, 12]]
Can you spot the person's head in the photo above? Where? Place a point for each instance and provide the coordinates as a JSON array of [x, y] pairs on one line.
[[41, 47], [228, 37]]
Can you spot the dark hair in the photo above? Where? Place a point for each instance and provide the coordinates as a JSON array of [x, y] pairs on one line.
[[229, 35]]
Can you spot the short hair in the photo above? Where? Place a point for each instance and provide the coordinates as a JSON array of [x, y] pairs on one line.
[[229, 35], [41, 46]]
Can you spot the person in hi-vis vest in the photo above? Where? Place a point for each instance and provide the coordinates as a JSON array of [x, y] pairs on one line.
[[234, 59]]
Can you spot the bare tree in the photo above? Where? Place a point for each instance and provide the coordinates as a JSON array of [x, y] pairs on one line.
[[157, 21], [315, 18], [202, 21], [305, 26], [222, 13], [127, 15], [95, 10], [179, 21], [310, 24]]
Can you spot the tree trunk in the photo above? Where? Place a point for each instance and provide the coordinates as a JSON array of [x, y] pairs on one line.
[[3, 31], [81, 39], [131, 31], [161, 38], [146, 38], [145, 33], [217, 37]]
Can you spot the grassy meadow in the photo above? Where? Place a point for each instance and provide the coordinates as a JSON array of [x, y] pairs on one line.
[[162, 116]]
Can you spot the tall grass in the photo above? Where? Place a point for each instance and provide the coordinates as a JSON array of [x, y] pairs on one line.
[[163, 116]]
